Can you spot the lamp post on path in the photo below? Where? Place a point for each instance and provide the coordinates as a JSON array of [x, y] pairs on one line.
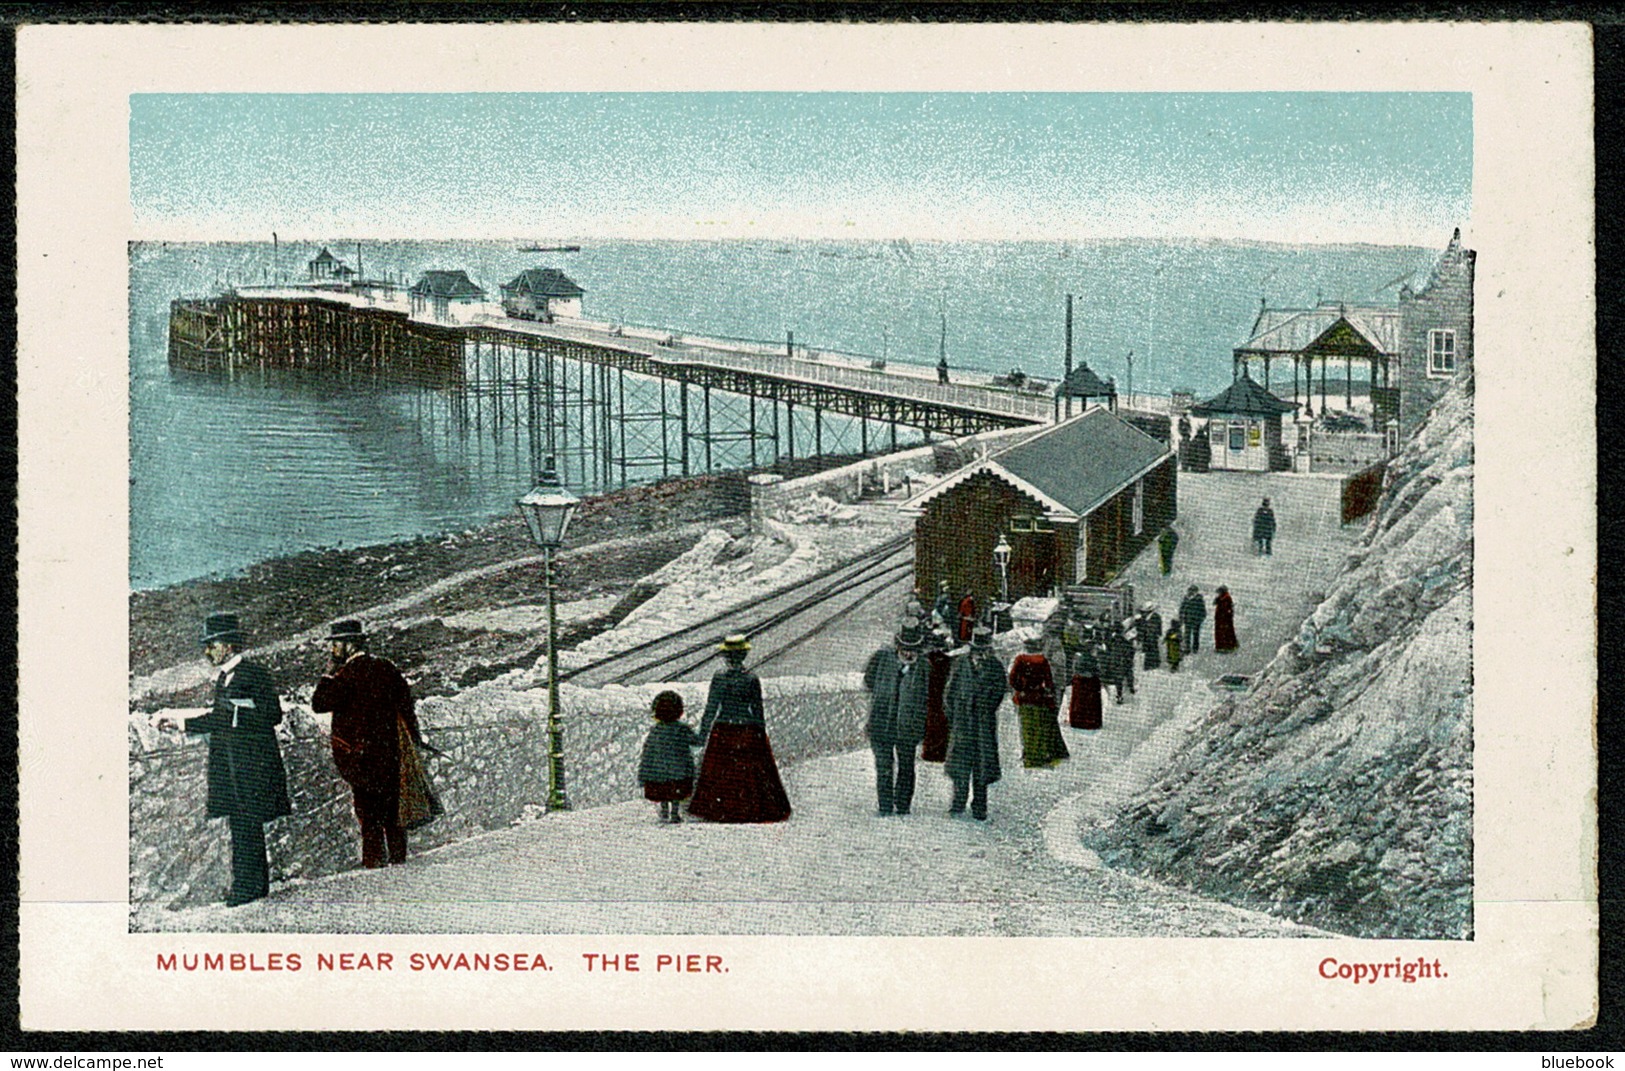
[[547, 511], [1001, 612]]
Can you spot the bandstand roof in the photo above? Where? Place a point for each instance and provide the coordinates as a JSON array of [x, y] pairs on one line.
[[1327, 328]]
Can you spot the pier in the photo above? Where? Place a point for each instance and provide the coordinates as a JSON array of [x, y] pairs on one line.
[[615, 404]]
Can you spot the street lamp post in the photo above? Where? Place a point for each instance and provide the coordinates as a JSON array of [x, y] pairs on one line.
[[547, 511], [1001, 555]]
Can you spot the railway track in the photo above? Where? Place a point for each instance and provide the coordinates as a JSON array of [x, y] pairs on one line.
[[778, 622]]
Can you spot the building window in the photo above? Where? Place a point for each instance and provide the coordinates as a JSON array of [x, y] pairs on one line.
[[1238, 437], [1441, 353], [1024, 523], [1139, 506]]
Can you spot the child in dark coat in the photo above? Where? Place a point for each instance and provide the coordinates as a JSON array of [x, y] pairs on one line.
[[666, 770]]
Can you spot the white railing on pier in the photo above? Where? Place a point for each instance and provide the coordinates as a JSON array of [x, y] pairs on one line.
[[913, 383]]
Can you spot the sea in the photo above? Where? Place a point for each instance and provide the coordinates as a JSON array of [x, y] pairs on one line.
[[224, 475]]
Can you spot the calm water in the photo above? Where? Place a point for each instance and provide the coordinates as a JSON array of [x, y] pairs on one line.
[[224, 475]]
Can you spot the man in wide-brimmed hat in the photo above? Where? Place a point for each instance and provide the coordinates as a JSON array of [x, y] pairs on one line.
[[371, 703], [247, 783], [899, 687]]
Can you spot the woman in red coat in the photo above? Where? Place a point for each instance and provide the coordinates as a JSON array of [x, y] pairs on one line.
[[1224, 622], [1033, 689]]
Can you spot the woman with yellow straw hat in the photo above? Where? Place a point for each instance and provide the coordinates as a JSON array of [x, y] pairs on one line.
[[739, 779]]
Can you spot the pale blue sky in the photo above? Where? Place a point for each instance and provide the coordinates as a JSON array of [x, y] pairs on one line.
[[1391, 167]]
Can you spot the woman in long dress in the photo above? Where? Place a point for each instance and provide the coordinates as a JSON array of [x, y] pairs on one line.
[[739, 779], [1034, 694], [1224, 621], [1084, 710], [934, 748]]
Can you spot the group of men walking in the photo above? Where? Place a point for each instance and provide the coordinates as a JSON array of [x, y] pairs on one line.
[[374, 738], [909, 692]]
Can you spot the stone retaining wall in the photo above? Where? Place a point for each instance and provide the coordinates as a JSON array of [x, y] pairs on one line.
[[493, 773]]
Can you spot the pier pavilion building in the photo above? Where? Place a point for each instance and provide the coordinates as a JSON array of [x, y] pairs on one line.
[[447, 296], [542, 294]]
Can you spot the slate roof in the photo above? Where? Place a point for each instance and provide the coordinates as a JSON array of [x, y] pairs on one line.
[[1244, 396], [544, 282], [1284, 331], [1083, 383], [323, 255], [447, 284], [1070, 469]]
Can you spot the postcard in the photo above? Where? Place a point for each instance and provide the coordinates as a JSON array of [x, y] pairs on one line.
[[794, 526]]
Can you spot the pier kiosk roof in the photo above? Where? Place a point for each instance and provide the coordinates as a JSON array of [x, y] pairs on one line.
[[449, 285], [544, 282], [1244, 397], [1082, 382]]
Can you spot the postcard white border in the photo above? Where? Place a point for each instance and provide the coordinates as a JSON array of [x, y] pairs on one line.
[[1533, 963]]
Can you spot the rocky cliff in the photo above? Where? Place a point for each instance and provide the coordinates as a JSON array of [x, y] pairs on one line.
[[1338, 789]]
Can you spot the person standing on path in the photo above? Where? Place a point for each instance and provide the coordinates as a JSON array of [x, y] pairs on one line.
[[1119, 657], [1033, 689], [1172, 645], [1083, 705], [967, 617], [1192, 612], [666, 767], [370, 702], [1149, 631], [1166, 544], [899, 683], [248, 785], [739, 778], [938, 662], [1263, 533], [975, 693], [945, 608], [1224, 622]]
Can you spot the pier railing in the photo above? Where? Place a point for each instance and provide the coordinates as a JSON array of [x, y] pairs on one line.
[[842, 371]]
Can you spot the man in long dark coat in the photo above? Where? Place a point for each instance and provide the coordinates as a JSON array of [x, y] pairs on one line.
[[370, 702], [1118, 659], [1264, 529], [247, 783], [899, 684], [1192, 612], [976, 690], [1149, 631]]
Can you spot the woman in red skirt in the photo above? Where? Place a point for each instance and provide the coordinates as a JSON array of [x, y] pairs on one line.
[[1224, 621], [934, 748], [739, 780], [1084, 712]]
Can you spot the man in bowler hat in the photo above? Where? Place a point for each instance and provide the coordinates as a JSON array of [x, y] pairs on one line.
[[247, 783], [899, 684], [370, 702]]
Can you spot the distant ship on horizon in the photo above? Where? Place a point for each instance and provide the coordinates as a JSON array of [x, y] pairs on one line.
[[550, 249]]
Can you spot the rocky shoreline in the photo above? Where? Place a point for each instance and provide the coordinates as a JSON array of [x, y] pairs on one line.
[[629, 534]]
